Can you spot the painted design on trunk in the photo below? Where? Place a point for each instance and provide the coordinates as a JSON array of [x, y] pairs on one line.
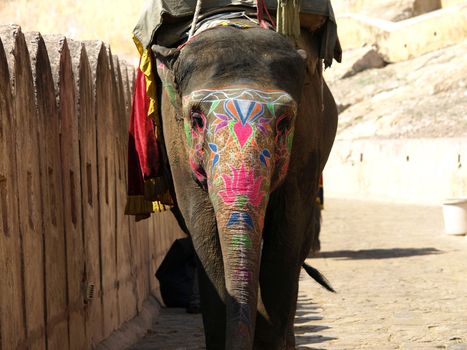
[[242, 188], [240, 219]]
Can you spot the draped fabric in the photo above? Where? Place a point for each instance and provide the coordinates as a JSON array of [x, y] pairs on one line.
[[148, 191]]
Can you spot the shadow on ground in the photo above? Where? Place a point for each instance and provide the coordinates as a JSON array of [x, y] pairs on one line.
[[378, 253], [307, 335]]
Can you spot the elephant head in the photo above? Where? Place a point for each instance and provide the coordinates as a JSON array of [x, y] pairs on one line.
[[236, 93]]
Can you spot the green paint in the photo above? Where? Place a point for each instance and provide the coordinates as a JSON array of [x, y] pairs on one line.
[[241, 201], [171, 92], [218, 181], [187, 128], [241, 240], [215, 202], [272, 108], [213, 106]]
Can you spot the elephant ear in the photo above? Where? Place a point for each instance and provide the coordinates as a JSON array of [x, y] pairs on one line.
[[165, 60], [166, 55]]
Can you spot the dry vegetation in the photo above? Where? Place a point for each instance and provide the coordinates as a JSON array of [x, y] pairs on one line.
[[111, 21]]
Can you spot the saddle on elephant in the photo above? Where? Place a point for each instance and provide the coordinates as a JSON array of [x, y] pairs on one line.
[[167, 23]]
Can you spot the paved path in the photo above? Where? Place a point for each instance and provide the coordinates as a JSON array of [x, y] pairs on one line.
[[401, 284]]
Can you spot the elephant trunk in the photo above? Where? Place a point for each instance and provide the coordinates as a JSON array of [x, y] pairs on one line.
[[240, 209]]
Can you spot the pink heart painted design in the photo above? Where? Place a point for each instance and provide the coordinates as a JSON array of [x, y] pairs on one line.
[[243, 132]]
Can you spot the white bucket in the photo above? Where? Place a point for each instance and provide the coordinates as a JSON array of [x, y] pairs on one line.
[[455, 216]]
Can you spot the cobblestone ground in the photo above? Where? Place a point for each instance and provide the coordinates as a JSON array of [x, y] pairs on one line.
[[401, 284]]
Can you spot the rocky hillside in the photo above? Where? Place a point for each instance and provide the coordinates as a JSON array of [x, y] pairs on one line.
[[421, 97], [391, 10]]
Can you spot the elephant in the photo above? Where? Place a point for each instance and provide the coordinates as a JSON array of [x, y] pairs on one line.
[[248, 125]]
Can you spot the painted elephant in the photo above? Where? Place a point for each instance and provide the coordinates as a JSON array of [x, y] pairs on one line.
[[248, 127]]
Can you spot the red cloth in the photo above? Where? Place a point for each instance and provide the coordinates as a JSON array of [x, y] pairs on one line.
[[143, 151]]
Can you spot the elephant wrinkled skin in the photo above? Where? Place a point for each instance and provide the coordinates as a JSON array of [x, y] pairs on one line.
[[248, 127]]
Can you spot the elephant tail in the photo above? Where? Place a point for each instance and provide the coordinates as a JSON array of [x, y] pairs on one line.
[[318, 277]]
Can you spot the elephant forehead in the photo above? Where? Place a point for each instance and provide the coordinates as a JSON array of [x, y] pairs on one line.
[[242, 101]]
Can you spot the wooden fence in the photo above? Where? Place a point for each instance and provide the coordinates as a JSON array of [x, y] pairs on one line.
[[73, 268]]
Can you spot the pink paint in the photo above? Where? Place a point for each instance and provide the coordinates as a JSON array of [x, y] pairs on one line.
[[243, 132], [243, 275], [242, 183], [195, 167]]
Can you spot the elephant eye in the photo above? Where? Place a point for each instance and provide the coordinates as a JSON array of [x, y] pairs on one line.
[[198, 121]]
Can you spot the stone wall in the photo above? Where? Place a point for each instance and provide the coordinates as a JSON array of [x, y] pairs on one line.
[[401, 30], [391, 10], [421, 171]]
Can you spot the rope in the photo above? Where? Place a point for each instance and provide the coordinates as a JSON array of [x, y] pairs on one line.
[[261, 7], [195, 19], [288, 18]]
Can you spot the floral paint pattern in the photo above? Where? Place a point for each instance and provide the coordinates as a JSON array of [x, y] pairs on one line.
[[242, 188]]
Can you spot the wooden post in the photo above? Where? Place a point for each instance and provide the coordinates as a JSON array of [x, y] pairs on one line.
[[29, 189], [62, 73], [86, 116], [12, 322], [154, 239], [131, 80], [52, 219], [88, 131], [141, 229], [127, 95], [51, 178], [105, 135], [126, 297]]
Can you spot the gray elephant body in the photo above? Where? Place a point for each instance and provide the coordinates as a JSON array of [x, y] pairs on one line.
[[257, 309]]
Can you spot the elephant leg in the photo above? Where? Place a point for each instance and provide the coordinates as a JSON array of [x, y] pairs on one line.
[[290, 343], [277, 303], [289, 230], [211, 287]]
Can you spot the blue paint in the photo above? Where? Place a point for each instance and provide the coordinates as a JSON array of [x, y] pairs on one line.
[[264, 157], [215, 161], [244, 110], [240, 218]]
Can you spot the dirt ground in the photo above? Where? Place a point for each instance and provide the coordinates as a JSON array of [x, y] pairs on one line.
[[401, 284]]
